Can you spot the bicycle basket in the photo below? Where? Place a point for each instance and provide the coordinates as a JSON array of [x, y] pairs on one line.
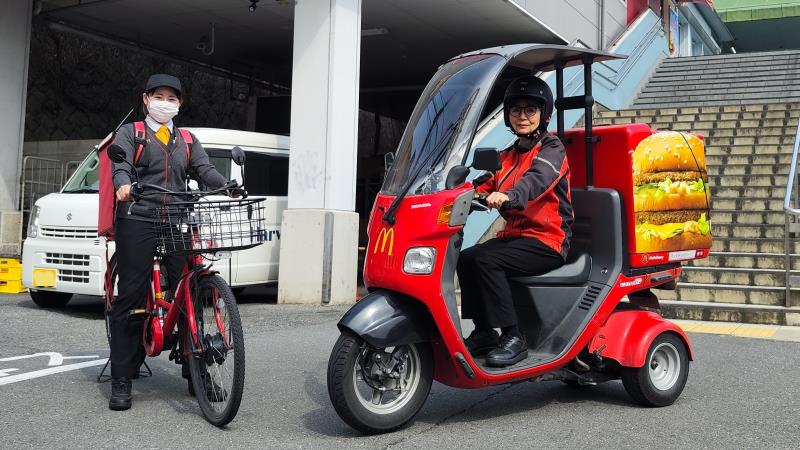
[[210, 226]]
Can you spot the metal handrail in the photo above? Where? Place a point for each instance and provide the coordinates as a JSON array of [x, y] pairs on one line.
[[790, 210]]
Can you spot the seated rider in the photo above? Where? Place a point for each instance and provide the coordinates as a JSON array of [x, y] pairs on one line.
[[534, 180]]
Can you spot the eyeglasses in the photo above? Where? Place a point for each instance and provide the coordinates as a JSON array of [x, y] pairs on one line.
[[529, 111]]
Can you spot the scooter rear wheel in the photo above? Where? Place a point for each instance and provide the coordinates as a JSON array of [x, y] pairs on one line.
[[368, 398], [662, 378]]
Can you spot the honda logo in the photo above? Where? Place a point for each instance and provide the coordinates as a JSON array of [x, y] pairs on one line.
[[386, 234]]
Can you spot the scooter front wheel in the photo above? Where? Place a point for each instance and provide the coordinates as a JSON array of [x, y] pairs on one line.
[[662, 378], [378, 390]]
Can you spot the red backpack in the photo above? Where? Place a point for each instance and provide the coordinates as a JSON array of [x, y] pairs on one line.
[[107, 212]]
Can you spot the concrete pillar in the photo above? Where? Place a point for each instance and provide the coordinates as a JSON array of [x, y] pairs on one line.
[[15, 37], [320, 228]]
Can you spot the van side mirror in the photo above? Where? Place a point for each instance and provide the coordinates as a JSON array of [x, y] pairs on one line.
[[486, 159], [116, 153], [388, 161], [238, 155]]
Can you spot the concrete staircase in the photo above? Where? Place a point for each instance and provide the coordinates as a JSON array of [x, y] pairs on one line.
[[748, 152], [745, 78]]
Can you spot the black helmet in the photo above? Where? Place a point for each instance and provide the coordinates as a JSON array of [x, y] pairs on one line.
[[533, 88]]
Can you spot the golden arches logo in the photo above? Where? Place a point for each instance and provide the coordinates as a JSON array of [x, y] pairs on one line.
[[386, 234]]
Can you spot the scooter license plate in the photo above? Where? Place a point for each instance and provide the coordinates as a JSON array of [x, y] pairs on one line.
[[44, 277]]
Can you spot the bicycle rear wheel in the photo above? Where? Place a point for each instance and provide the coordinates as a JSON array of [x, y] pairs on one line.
[[217, 369]]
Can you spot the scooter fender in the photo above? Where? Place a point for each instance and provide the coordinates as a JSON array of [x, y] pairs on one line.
[[626, 336], [387, 318]]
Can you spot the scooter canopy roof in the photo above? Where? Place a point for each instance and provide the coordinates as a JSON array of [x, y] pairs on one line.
[[544, 57]]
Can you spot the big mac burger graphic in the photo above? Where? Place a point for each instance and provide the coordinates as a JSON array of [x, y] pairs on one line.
[[671, 195]]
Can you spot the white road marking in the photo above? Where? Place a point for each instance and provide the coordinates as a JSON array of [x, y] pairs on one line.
[[56, 359], [4, 372], [50, 371]]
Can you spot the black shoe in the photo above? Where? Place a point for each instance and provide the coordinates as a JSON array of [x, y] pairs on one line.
[[512, 349], [120, 394], [481, 342]]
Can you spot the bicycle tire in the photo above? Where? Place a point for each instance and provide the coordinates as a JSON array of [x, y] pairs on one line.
[[199, 365]]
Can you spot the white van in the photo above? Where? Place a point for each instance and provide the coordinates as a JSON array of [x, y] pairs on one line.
[[62, 231]]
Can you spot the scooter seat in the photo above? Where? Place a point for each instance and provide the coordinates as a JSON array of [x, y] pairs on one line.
[[574, 273]]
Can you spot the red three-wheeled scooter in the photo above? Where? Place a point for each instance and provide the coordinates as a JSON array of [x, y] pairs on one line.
[[407, 331]]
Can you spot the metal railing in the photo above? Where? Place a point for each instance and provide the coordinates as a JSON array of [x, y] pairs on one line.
[[791, 206], [40, 176]]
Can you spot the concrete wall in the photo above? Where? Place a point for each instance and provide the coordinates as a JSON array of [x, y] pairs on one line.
[[579, 19]]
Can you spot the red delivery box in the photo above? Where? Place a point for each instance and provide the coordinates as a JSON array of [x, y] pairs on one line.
[[663, 182]]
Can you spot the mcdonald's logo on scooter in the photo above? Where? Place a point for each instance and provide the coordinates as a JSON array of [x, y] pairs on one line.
[[386, 234]]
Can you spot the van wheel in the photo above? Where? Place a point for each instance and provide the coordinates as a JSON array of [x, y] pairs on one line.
[[378, 390], [49, 299], [662, 378]]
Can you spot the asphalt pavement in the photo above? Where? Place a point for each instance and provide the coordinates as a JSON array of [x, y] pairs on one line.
[[741, 393]]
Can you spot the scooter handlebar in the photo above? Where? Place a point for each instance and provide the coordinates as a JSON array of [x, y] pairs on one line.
[[481, 199]]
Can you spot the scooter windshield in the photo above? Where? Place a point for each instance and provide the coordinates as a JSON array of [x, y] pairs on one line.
[[442, 126]]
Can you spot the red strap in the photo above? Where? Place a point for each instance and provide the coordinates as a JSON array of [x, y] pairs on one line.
[[140, 137], [187, 137]]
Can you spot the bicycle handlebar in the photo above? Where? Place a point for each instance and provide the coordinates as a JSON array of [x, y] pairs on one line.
[[231, 187]]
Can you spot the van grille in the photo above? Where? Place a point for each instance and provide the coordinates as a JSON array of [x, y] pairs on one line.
[[69, 232], [73, 276], [66, 259]]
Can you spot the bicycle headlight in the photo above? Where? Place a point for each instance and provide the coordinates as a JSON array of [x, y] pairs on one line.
[[419, 260], [33, 222]]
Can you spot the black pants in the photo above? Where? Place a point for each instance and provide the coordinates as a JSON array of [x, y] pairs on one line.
[[483, 272], [136, 246]]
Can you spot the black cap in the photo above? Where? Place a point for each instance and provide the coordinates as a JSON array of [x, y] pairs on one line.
[[162, 79]]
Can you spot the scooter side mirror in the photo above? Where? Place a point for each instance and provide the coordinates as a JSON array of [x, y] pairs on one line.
[[456, 177], [486, 159], [388, 161], [238, 155], [116, 153]]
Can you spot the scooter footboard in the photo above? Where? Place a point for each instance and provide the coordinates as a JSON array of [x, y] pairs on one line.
[[386, 318], [626, 336]]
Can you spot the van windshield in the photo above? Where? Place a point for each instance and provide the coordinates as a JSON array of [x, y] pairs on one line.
[[85, 178]]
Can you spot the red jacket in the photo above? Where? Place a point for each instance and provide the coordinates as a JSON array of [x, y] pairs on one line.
[[537, 184]]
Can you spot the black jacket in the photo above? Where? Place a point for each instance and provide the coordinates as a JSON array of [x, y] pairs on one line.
[[162, 165]]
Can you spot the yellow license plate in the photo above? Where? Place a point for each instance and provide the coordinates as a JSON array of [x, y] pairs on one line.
[[44, 277]]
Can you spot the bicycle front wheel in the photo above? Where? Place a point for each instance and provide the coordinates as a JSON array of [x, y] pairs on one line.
[[217, 368]]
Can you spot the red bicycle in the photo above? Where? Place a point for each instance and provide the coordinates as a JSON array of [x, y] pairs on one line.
[[198, 320]]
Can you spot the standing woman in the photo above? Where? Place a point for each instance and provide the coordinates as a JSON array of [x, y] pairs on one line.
[[165, 160]]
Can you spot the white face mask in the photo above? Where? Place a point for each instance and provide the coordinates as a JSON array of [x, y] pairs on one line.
[[162, 111]]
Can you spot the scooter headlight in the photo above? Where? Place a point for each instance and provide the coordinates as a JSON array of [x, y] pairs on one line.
[[419, 260], [33, 223]]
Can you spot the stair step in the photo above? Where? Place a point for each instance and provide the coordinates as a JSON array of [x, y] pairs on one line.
[[726, 230], [713, 149], [747, 203], [721, 102], [731, 293], [689, 123], [775, 192], [747, 180], [735, 276], [779, 159], [745, 217], [746, 260], [754, 56], [765, 81], [752, 245], [729, 312], [746, 169], [713, 113]]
